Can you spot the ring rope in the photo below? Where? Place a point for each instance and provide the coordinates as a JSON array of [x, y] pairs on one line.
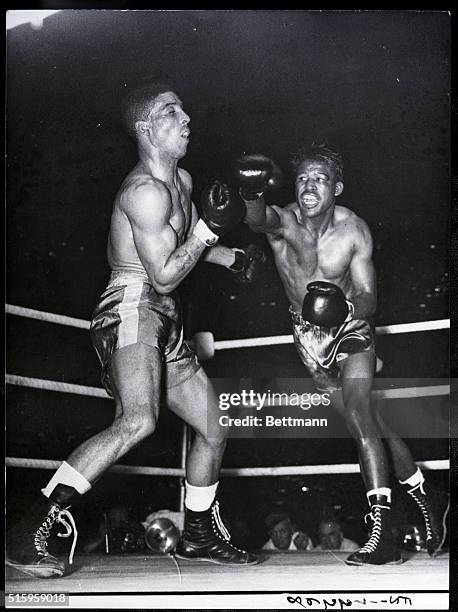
[[219, 345], [284, 470], [228, 344], [51, 385], [399, 328], [29, 313]]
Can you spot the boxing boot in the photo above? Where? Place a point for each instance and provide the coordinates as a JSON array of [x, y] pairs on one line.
[[206, 538], [27, 542], [434, 516], [380, 549]]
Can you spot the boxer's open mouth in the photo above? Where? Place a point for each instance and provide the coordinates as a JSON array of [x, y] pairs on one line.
[[310, 201]]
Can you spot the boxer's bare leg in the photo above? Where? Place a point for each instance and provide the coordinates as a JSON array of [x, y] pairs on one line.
[[357, 374], [196, 403], [136, 380], [401, 457], [354, 404], [205, 536]]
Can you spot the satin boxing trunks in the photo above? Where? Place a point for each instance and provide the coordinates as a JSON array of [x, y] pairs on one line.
[[130, 311], [321, 348]]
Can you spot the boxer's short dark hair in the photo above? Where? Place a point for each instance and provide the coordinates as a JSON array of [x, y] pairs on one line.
[[138, 103], [323, 152]]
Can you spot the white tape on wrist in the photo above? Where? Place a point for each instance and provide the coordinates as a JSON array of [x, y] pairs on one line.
[[204, 233]]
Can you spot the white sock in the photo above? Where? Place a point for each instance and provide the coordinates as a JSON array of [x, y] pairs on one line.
[[416, 479], [67, 475], [386, 491], [199, 499]]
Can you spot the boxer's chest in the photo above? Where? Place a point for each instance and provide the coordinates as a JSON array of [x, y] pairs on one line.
[[328, 256]]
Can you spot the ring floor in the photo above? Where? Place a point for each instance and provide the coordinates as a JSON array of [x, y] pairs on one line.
[[291, 571]]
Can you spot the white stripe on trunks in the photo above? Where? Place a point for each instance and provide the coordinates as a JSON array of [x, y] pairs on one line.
[[172, 355], [128, 313]]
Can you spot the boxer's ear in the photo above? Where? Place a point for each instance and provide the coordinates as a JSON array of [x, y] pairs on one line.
[[141, 127], [339, 188]]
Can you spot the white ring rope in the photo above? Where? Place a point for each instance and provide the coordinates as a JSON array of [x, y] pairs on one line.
[[284, 470], [29, 313], [400, 328], [51, 385]]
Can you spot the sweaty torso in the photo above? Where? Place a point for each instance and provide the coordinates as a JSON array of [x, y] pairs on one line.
[[301, 257], [121, 250]]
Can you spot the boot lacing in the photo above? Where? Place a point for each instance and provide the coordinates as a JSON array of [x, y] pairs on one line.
[[423, 507], [219, 522], [376, 515], [54, 515], [220, 528]]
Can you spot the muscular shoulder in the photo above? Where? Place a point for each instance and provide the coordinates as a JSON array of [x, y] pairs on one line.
[[287, 213], [279, 220], [145, 195], [354, 227]]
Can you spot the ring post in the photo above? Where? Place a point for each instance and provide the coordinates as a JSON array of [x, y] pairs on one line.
[[185, 443]]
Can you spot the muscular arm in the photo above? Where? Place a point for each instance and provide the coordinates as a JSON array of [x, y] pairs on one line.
[[167, 264], [262, 218], [362, 273]]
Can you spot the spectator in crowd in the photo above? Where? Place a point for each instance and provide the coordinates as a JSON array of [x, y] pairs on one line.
[[331, 537], [284, 535]]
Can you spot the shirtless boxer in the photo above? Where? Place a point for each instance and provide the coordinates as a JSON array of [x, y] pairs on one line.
[[323, 253], [156, 238]]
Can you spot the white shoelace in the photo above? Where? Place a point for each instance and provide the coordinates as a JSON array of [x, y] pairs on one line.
[[221, 529], [376, 530], [55, 514], [219, 522], [69, 529], [414, 493]]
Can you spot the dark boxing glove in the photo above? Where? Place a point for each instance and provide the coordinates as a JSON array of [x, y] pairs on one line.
[[255, 174], [221, 211], [325, 305], [247, 263]]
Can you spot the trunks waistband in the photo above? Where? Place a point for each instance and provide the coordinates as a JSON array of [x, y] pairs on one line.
[[119, 278]]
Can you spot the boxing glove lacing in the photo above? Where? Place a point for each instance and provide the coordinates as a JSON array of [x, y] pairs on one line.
[[54, 515], [220, 529], [422, 503], [376, 530]]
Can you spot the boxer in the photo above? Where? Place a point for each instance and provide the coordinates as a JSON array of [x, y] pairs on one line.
[[323, 254], [156, 238]]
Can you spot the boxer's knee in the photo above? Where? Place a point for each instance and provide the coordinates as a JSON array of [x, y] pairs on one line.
[[359, 416], [137, 427], [215, 439]]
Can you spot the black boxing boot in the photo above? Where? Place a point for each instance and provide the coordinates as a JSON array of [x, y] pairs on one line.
[[434, 516], [206, 538], [27, 542], [380, 549]]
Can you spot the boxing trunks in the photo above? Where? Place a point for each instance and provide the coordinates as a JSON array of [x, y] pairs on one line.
[[321, 348], [130, 311]]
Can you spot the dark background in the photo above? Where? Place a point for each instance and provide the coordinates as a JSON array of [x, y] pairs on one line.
[[375, 83]]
